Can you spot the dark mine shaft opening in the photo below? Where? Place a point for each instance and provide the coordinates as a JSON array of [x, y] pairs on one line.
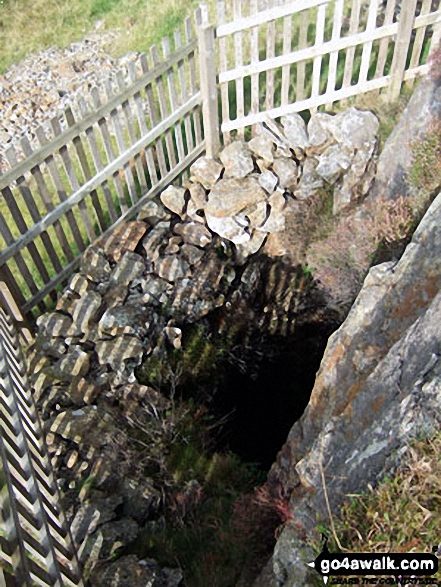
[[263, 395]]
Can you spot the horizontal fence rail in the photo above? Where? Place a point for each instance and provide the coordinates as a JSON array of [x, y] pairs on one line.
[[35, 544], [310, 53], [98, 167]]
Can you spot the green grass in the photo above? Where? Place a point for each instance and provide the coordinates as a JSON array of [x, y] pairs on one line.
[[402, 514], [29, 27]]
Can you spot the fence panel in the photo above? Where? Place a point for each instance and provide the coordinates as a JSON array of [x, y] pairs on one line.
[[317, 52], [36, 547], [103, 159]]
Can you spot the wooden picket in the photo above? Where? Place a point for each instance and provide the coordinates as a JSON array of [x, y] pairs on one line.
[[300, 66], [103, 160], [36, 546]]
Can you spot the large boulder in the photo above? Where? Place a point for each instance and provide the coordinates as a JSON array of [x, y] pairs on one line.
[[379, 384], [395, 161]]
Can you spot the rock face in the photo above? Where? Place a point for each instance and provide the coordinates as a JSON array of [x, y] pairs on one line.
[[394, 163], [379, 384]]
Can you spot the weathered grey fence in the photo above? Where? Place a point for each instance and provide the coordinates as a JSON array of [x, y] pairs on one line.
[[303, 54], [35, 544]]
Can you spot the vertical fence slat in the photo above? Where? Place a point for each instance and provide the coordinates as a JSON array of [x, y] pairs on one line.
[[128, 116], [153, 118], [73, 181], [11, 279], [207, 66], [223, 61], [98, 162], [84, 163], [121, 146], [238, 62], [333, 58], [317, 65], [172, 93], [367, 47], [163, 109], [183, 96], [47, 201], [36, 216], [350, 52], [270, 52], [419, 41], [150, 162], [405, 25], [384, 43], [301, 65], [109, 150], [58, 184], [286, 70], [193, 84], [254, 48]]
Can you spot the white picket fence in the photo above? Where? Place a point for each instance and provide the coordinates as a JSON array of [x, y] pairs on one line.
[[301, 55]]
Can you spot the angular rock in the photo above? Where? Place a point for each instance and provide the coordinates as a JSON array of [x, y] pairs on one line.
[[83, 391], [74, 363], [357, 180], [123, 238], [334, 161], [191, 254], [152, 213], [198, 196], [268, 181], [130, 266], [319, 135], [194, 233], [53, 324], [310, 181], [294, 128], [153, 240], [237, 160], [256, 214], [95, 265], [263, 148], [79, 284], [251, 247], [85, 312], [173, 198], [173, 245], [206, 171], [287, 172], [392, 179], [114, 352], [228, 228], [357, 129], [123, 320], [232, 196], [171, 268]]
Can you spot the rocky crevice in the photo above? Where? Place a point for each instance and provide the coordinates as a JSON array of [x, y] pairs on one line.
[[202, 255]]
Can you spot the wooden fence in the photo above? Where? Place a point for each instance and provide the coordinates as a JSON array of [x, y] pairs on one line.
[[304, 54], [36, 547], [102, 162], [98, 168]]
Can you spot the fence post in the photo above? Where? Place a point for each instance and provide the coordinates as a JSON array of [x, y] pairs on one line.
[[207, 68], [405, 26]]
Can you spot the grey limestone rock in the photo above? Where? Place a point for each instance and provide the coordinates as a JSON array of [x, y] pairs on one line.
[[206, 171], [194, 233], [173, 198], [237, 160]]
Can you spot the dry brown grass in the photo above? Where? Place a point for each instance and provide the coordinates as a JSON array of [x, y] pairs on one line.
[[404, 513]]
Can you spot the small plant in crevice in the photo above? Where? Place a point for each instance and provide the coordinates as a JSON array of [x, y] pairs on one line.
[[425, 172]]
